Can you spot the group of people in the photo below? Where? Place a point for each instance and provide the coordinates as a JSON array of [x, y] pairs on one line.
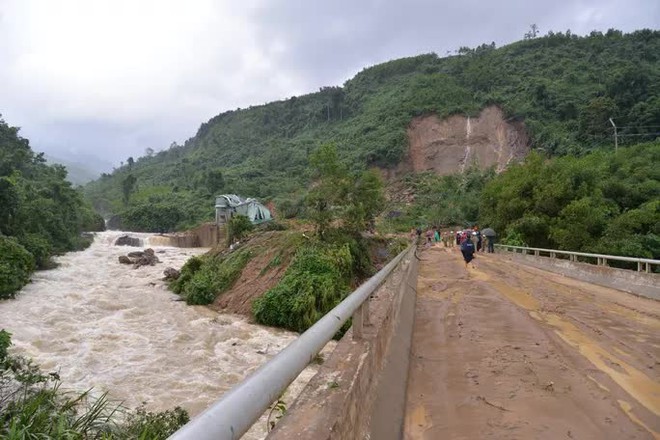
[[470, 241]]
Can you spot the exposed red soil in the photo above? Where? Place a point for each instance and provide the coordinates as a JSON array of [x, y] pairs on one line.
[[257, 277], [453, 144]]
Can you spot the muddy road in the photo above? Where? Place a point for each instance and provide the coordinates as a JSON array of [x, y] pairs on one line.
[[507, 351]]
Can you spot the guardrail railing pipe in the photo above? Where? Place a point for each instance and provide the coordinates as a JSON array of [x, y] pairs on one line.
[[601, 260]]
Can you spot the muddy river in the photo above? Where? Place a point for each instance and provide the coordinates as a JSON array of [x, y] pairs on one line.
[[110, 327]]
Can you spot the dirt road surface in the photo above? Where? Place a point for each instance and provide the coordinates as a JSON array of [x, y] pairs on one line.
[[507, 351]]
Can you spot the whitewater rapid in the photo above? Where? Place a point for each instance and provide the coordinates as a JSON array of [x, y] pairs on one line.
[[107, 326]]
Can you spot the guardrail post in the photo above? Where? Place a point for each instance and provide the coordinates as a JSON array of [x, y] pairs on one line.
[[536, 253], [604, 260], [648, 268], [553, 255], [358, 323]]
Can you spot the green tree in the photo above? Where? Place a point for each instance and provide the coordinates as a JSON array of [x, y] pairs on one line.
[[127, 188], [325, 198], [365, 201]]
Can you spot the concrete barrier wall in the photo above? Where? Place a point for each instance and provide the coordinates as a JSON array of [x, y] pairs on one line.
[[638, 283], [362, 386], [205, 235]]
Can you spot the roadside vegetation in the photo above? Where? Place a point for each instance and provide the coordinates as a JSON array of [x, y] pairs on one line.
[[33, 406], [604, 202], [41, 215]]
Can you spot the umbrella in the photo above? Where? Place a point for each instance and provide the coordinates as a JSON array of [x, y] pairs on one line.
[[488, 232]]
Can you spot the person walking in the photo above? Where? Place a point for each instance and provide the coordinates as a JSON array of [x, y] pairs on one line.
[[475, 239], [467, 249], [490, 235]]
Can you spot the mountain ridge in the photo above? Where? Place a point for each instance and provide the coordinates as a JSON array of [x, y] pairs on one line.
[[564, 87]]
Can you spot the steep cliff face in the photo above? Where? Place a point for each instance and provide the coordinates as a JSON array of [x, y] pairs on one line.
[[451, 145]]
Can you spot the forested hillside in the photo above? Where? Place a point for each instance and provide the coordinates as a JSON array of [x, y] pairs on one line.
[[40, 213], [562, 86]]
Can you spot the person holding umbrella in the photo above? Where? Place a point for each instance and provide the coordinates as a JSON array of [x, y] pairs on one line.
[[490, 235]]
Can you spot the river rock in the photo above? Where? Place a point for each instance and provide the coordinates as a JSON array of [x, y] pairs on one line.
[[127, 240], [148, 258], [140, 258], [171, 274]]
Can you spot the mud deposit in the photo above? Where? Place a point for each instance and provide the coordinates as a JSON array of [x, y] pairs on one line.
[[507, 351]]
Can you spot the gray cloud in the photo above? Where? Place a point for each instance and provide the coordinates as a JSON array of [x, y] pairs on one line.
[[113, 78]]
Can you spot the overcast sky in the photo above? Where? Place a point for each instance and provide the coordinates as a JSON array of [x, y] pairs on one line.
[[110, 78]]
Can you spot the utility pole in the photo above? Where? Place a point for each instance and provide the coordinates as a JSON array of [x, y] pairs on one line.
[[616, 136]]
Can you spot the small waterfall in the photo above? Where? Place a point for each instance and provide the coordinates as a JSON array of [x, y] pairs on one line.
[[466, 157]]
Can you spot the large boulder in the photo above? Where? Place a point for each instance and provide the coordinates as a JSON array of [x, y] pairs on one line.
[[148, 258], [171, 274], [140, 258], [127, 240]]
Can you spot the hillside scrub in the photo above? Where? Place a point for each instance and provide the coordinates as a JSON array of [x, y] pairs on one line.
[[317, 280], [203, 278], [439, 200], [604, 202], [321, 274], [563, 86]]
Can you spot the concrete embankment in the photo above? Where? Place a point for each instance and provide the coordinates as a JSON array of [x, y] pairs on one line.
[[205, 235]]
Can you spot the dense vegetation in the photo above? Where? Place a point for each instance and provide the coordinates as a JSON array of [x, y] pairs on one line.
[[40, 213], [32, 406], [203, 278], [605, 202], [563, 86]]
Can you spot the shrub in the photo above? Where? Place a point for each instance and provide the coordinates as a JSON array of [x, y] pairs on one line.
[[143, 424], [92, 221], [237, 227], [315, 282], [5, 342], [152, 217], [16, 265], [39, 247], [187, 271], [203, 279]]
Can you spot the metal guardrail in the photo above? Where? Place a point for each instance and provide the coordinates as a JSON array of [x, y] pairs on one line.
[[643, 264], [231, 416]]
